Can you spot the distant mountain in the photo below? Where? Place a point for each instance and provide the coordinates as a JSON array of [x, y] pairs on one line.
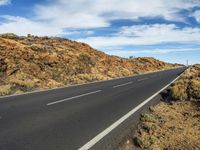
[[34, 63]]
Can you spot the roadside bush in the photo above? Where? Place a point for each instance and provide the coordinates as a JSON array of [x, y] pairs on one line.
[[21, 79], [148, 118], [188, 86], [178, 92], [5, 90], [146, 142], [195, 89]]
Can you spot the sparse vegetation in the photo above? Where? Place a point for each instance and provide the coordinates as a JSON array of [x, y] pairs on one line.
[[5, 89], [21, 79], [188, 87], [32, 62], [172, 125], [86, 59], [9, 35], [176, 127]]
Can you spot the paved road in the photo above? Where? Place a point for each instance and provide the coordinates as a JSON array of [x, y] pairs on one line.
[[68, 118]]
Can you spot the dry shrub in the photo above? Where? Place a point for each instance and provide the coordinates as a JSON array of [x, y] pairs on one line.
[[23, 80], [53, 84], [188, 86], [37, 47], [170, 126], [195, 88], [5, 90], [19, 92], [179, 92], [86, 59]]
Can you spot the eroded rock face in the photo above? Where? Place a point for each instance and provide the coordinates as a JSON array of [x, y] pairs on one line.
[[53, 62]]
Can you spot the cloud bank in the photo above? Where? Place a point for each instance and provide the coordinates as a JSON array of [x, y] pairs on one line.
[[55, 17], [146, 35], [4, 2]]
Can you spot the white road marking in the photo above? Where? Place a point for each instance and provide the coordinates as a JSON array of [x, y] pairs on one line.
[[116, 86], [143, 79], [70, 98], [97, 138], [43, 90]]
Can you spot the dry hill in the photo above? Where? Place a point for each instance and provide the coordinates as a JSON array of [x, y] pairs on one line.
[[34, 63]]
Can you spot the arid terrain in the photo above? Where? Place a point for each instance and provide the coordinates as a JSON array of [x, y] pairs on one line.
[[173, 124], [34, 63]]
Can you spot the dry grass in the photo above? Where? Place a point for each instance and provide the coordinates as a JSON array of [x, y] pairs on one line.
[[188, 87], [29, 63], [174, 125], [195, 88], [5, 90], [23, 80]]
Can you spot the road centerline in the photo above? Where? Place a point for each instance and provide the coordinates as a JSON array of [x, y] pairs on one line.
[[101, 135], [124, 84], [74, 97]]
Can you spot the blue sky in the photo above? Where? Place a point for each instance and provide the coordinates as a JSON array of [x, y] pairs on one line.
[[167, 30]]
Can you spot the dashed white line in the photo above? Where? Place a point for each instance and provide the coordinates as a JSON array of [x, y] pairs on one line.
[[70, 98], [143, 79], [116, 86], [101, 135]]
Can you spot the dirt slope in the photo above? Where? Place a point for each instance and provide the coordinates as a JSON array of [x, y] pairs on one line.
[[33, 63], [173, 124]]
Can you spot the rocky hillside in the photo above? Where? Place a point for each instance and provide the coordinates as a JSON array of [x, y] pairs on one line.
[[34, 63]]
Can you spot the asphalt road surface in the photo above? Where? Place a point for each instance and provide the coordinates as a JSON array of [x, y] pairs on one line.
[[70, 118]]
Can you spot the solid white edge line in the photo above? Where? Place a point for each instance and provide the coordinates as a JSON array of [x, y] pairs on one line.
[[97, 138], [116, 86], [70, 98]]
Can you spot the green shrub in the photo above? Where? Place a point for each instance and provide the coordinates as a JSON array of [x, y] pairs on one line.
[[146, 142], [148, 118], [9, 36]]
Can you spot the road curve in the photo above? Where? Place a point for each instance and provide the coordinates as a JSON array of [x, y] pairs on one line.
[[68, 118]]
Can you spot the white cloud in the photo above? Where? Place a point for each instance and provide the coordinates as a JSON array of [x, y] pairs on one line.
[[63, 17], [99, 13], [154, 51], [4, 2], [196, 15], [23, 26], [146, 35]]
